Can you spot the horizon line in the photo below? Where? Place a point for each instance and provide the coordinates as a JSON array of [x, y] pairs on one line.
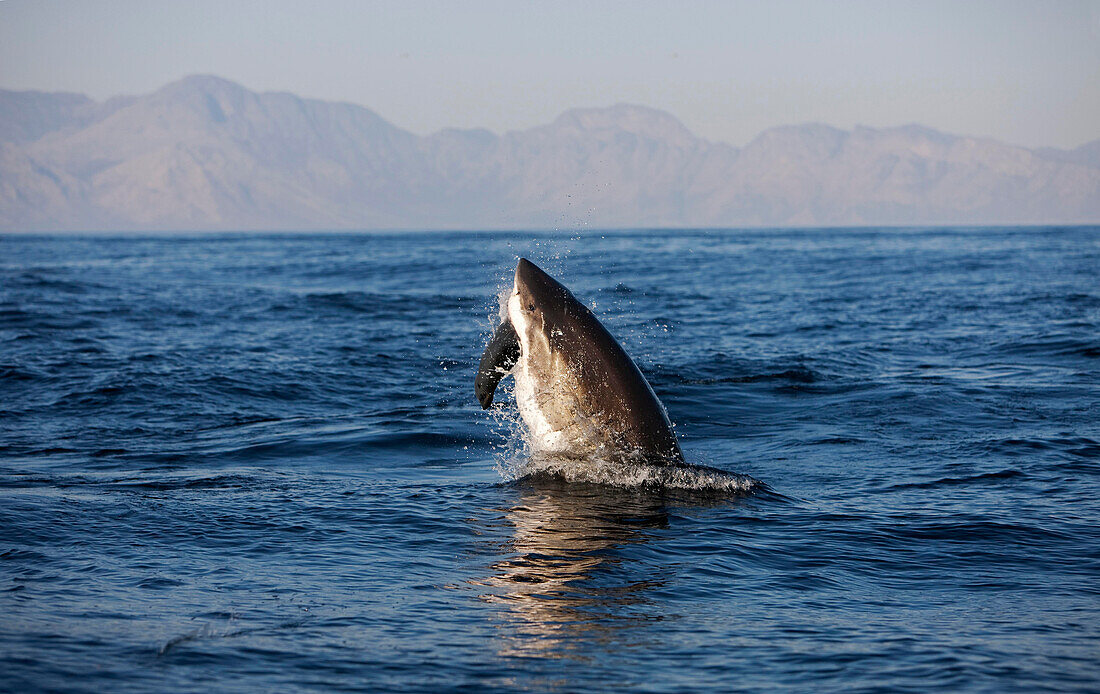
[[551, 230]]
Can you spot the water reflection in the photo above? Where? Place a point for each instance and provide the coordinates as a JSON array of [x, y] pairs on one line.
[[577, 572]]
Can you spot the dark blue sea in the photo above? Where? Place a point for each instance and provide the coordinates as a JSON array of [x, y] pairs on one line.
[[256, 463]]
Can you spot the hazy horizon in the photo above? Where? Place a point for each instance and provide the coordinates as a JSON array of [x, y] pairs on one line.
[[207, 153], [1022, 73], [569, 109]]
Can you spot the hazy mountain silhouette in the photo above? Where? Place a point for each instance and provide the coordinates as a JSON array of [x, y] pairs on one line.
[[206, 153]]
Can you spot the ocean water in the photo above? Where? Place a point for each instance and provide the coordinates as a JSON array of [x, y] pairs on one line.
[[256, 463]]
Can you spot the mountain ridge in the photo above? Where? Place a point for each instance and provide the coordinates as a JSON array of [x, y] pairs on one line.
[[205, 153]]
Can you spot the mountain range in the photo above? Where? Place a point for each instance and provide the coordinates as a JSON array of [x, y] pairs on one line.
[[204, 153]]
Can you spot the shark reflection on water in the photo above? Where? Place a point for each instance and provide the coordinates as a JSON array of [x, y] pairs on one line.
[[578, 573], [568, 580]]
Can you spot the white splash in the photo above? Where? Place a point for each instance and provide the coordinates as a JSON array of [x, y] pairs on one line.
[[688, 478]]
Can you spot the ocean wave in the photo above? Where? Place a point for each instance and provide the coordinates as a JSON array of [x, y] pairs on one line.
[[985, 477], [720, 368], [1054, 345], [374, 303], [15, 372], [1080, 446]]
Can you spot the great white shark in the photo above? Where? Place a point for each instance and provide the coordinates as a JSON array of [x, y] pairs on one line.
[[577, 390]]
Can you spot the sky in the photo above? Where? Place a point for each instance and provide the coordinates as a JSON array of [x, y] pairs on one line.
[[1023, 72]]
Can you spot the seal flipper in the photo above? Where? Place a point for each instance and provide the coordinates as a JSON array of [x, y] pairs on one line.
[[501, 354]]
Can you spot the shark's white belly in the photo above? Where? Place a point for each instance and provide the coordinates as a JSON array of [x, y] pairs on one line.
[[548, 395]]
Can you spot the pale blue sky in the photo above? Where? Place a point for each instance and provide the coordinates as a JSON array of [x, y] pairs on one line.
[[1023, 72]]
